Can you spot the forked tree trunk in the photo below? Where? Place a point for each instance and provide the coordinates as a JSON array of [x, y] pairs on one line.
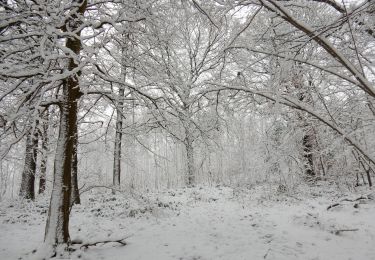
[[29, 168], [57, 228]]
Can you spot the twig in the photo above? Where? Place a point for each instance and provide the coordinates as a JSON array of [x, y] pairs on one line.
[[265, 256], [333, 205], [120, 241], [339, 231], [359, 198]]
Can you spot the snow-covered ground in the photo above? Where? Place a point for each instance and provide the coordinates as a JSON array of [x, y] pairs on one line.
[[204, 223]]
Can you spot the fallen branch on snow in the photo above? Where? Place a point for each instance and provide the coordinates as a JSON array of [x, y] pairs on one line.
[[265, 256], [339, 231], [120, 241], [366, 197], [333, 205]]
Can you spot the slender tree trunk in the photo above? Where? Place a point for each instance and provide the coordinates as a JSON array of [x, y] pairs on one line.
[[367, 170], [369, 178], [43, 160], [190, 160], [308, 141], [57, 227], [118, 139], [29, 168], [75, 198], [117, 153]]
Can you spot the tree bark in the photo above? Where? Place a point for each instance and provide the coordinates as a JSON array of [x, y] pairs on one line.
[[308, 138], [190, 160], [308, 144], [43, 160], [119, 118], [118, 139], [57, 228], [75, 198], [29, 168]]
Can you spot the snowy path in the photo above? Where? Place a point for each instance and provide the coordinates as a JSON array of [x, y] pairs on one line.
[[222, 229], [227, 230]]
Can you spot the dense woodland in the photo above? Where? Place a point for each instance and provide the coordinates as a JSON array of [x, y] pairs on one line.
[[149, 95]]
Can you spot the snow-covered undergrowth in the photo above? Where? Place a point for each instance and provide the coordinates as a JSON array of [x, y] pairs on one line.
[[261, 222]]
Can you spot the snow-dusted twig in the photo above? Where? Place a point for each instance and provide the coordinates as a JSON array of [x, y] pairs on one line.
[[120, 241]]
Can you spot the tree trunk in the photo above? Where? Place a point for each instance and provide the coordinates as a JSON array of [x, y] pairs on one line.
[[118, 139], [190, 160], [119, 120], [57, 228], [308, 141], [75, 198], [308, 138], [43, 160], [29, 168]]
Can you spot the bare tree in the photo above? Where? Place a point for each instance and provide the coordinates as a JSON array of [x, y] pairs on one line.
[[27, 189]]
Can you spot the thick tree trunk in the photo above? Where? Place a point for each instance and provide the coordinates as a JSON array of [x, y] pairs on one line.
[[57, 228], [29, 168], [43, 160]]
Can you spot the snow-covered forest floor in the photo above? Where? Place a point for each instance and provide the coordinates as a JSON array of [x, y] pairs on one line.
[[260, 222]]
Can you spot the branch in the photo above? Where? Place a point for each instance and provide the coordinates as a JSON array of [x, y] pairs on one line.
[[275, 7], [201, 10], [87, 245], [332, 3], [366, 197], [339, 231], [296, 104]]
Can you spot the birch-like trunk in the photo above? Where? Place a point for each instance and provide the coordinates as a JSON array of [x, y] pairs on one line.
[[29, 168]]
